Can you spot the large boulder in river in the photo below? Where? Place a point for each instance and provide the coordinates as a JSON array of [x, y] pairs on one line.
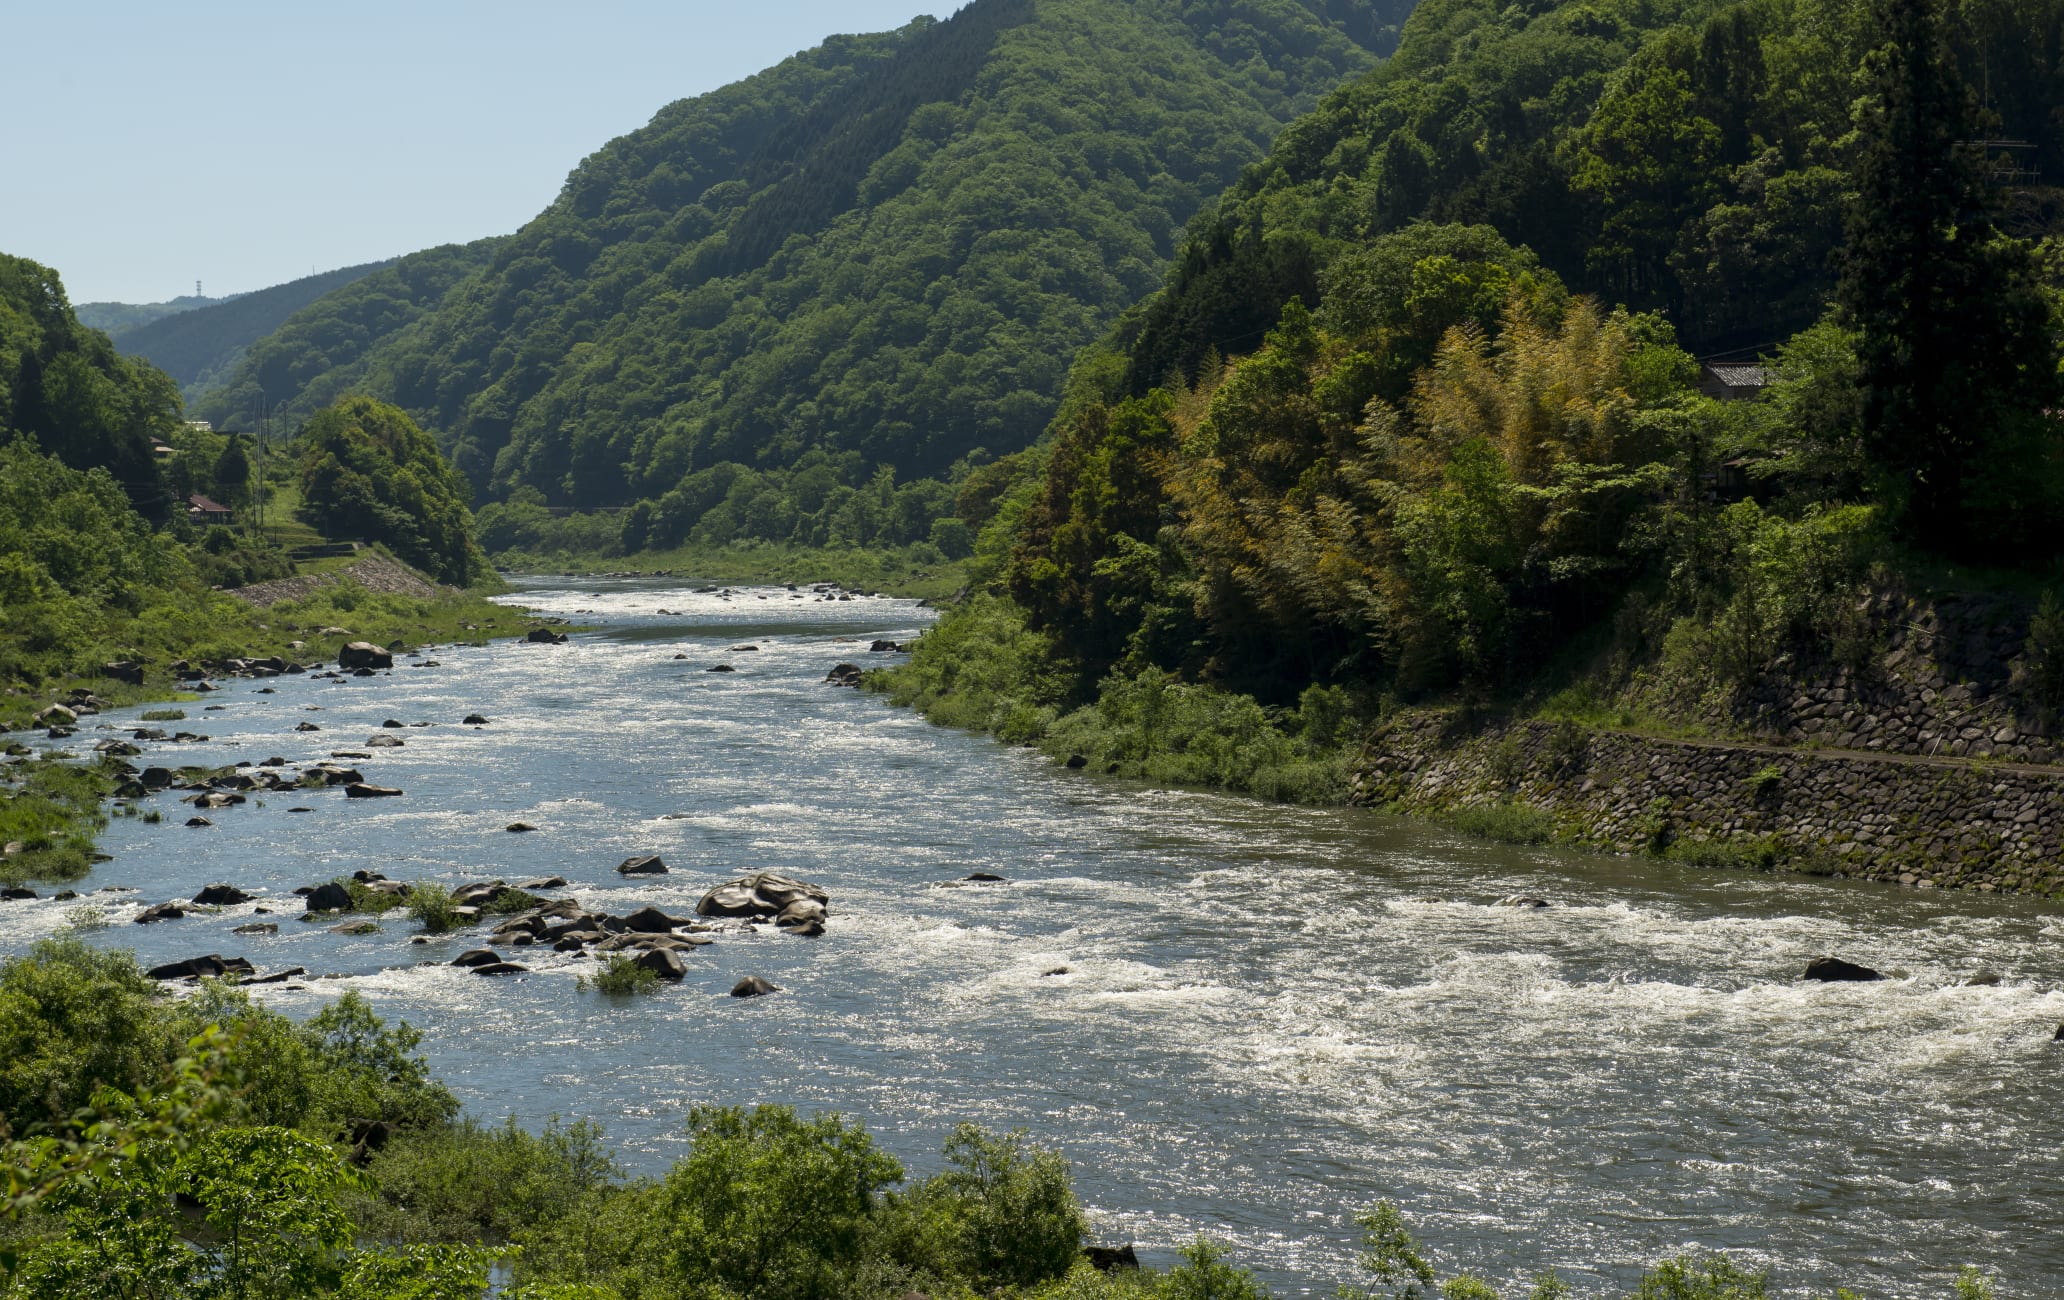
[[331, 897], [545, 636], [844, 675], [650, 920], [477, 957], [764, 895], [211, 966], [367, 790], [754, 986], [647, 865], [663, 962], [364, 654], [1833, 970], [221, 896]]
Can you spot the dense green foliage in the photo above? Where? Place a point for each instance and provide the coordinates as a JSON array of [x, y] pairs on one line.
[[200, 347], [890, 245], [368, 473], [1678, 154], [65, 387], [1444, 465], [311, 358]]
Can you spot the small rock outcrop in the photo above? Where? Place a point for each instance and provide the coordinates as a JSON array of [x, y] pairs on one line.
[[367, 790], [364, 654], [647, 865], [331, 897], [221, 896], [754, 986], [663, 962], [212, 966], [1833, 970]]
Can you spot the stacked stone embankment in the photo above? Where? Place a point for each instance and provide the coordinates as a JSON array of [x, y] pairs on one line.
[[1926, 822], [373, 571]]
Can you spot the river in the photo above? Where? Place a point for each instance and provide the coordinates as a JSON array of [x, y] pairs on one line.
[[1271, 1016]]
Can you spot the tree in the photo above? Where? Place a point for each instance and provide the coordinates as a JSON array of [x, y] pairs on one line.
[[368, 471], [233, 473], [1956, 361]]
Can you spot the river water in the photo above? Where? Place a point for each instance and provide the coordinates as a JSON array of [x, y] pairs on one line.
[[1271, 1017]]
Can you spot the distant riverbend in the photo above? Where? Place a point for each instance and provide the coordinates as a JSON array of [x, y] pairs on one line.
[[1236, 1018]]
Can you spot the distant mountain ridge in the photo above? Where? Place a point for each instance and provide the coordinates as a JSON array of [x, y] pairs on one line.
[[892, 244], [117, 318], [199, 346]]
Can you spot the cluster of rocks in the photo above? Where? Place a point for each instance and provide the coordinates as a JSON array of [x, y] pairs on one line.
[[545, 636], [844, 675], [792, 905]]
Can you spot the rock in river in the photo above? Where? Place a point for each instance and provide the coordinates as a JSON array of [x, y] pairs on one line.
[[367, 790], [663, 962], [331, 897], [211, 966], [648, 865], [1830, 970], [221, 896], [766, 895], [363, 654], [476, 957], [754, 986]]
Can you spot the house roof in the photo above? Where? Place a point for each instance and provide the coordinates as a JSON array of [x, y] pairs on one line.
[[1737, 374], [205, 506]]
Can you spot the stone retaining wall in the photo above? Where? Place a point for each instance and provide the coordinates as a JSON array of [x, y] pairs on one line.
[[1929, 823], [374, 572]]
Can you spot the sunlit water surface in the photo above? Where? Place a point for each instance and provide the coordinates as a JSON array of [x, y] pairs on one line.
[[1271, 1016]]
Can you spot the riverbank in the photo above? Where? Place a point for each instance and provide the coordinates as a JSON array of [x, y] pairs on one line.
[[918, 570], [1926, 822], [1936, 793], [51, 810]]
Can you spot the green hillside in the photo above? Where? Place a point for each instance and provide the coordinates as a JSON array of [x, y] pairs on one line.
[[1417, 413], [117, 318], [200, 346], [890, 245], [314, 355]]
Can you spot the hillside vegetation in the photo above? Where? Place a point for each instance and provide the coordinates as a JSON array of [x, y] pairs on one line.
[[199, 347], [888, 247], [1389, 433], [115, 319], [99, 563]]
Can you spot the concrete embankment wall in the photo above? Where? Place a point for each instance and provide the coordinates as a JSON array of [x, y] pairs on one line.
[[1930, 823]]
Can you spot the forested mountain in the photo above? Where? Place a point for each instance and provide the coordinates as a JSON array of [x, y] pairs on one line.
[[67, 388], [199, 347], [315, 355], [890, 245], [1415, 412], [117, 318], [1678, 154]]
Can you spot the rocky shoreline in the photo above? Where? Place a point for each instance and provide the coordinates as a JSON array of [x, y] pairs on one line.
[[1916, 821]]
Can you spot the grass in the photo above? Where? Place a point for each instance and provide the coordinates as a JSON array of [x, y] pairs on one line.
[[619, 975], [164, 715], [1506, 823], [899, 571], [52, 808]]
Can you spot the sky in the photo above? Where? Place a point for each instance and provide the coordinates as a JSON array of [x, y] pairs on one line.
[[150, 145]]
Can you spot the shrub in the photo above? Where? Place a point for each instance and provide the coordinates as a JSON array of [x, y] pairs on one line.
[[432, 905], [768, 1203], [164, 715], [1005, 1213], [620, 974]]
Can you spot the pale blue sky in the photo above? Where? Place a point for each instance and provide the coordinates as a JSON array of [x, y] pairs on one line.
[[150, 143]]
